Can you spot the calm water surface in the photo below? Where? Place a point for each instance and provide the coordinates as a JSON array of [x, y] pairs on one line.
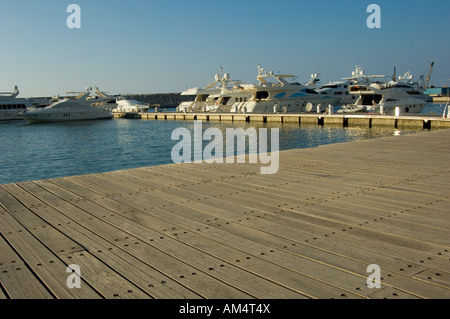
[[41, 151]]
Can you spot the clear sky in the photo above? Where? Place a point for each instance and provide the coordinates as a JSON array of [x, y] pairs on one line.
[[160, 46]]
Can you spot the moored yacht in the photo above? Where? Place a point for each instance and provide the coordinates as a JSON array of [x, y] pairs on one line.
[[383, 98], [412, 88], [130, 105], [340, 89], [77, 108], [11, 106], [203, 98], [218, 96], [275, 93]]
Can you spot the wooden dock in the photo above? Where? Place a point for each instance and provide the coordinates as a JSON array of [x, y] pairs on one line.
[[224, 231], [342, 120]]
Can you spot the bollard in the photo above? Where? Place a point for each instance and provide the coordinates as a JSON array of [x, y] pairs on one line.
[[330, 109]]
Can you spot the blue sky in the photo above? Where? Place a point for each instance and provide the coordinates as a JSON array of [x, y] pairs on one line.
[[157, 46]]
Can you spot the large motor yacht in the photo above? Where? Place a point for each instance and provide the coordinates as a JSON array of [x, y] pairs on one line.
[[340, 89], [412, 88], [218, 96], [11, 106], [77, 108], [274, 93], [383, 98]]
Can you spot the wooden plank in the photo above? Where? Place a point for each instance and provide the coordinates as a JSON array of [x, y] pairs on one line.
[[147, 278], [107, 281], [439, 293], [145, 218], [280, 189], [216, 248], [65, 248], [392, 293], [95, 210], [44, 263], [15, 275], [54, 240], [341, 225], [190, 256], [153, 255], [233, 183], [433, 233], [436, 276]]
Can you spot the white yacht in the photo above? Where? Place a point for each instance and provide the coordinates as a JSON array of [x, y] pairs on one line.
[[217, 96], [77, 108], [340, 89], [201, 95], [129, 106], [11, 106], [230, 96], [274, 93], [383, 98], [412, 88]]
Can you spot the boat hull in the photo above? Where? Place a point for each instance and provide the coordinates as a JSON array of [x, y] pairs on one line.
[[285, 106], [10, 116], [32, 117], [413, 108]]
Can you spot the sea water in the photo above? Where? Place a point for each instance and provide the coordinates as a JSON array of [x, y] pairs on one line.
[[48, 150]]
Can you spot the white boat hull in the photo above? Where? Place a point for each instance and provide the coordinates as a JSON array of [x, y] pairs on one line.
[[414, 107], [284, 106], [35, 117], [10, 115]]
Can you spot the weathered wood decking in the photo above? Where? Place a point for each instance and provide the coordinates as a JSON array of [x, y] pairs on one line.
[[226, 231]]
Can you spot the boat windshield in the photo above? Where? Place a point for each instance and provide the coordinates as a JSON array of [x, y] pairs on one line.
[[66, 104]]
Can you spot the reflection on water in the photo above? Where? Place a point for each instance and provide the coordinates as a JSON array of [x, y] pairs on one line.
[[41, 151]]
